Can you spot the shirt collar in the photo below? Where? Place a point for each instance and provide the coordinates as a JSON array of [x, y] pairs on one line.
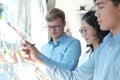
[[115, 37], [61, 39]]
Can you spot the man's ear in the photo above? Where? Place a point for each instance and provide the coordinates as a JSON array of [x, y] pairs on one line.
[[119, 9]]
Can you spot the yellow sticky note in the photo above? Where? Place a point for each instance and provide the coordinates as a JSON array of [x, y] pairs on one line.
[[14, 78], [19, 53]]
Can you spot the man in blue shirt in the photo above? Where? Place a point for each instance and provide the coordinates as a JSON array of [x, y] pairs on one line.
[[61, 48], [104, 64]]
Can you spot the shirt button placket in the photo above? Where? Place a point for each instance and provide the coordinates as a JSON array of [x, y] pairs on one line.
[[110, 48]]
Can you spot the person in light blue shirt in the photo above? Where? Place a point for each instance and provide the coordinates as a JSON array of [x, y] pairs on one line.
[[91, 32], [62, 50], [104, 64], [65, 53]]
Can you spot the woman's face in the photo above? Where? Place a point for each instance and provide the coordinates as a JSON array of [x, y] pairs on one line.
[[88, 33]]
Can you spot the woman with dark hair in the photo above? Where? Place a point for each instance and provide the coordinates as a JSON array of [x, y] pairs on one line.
[[90, 30]]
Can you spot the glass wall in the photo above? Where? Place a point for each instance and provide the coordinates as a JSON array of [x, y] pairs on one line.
[[20, 19]]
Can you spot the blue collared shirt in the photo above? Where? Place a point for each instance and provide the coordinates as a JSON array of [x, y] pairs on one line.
[[104, 64], [64, 54], [85, 57]]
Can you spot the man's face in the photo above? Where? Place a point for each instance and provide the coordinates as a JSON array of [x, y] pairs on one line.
[[56, 28], [107, 15]]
